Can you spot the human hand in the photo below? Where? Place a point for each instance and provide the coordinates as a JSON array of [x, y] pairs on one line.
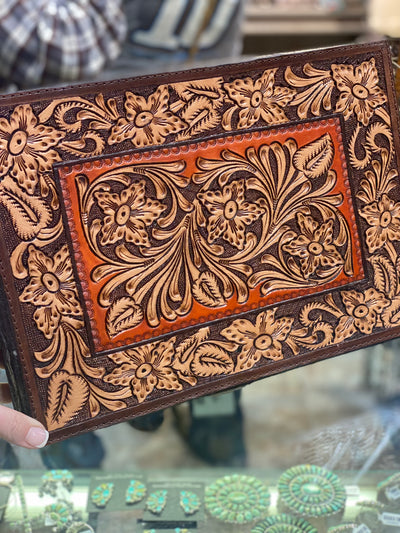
[[17, 428]]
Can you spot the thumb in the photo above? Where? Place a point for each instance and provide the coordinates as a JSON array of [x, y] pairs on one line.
[[20, 429]]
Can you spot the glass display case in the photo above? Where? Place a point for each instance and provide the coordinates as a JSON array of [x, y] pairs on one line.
[[316, 449]]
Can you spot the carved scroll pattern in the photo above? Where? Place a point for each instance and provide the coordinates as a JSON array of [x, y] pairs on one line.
[[33, 139], [162, 257]]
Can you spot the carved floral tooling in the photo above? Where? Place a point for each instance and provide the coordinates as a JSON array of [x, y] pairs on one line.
[[148, 122], [211, 243], [169, 235], [51, 289], [259, 99], [359, 90], [26, 147], [230, 213]]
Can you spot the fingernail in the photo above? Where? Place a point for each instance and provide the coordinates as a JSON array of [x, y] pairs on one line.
[[37, 437]]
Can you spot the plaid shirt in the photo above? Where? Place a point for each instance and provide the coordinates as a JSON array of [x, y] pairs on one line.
[[47, 41]]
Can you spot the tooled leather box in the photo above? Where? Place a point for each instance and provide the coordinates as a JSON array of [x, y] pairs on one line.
[[171, 236]]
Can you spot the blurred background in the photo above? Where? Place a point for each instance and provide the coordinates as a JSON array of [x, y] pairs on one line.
[[50, 41]]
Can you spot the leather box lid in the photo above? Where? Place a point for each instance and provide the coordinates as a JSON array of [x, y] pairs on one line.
[[170, 236]]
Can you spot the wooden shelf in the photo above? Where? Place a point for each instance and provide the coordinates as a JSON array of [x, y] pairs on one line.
[[264, 18]]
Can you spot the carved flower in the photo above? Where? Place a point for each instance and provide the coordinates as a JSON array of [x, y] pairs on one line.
[[363, 311], [199, 105], [51, 289], [258, 99], [128, 214], [384, 219], [262, 339], [314, 245], [26, 147], [145, 368], [359, 91], [147, 122], [230, 213]]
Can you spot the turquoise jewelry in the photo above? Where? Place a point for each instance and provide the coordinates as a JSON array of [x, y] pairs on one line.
[[190, 502], [389, 490], [371, 504], [283, 523], [311, 492], [135, 492], [157, 501], [102, 494], [26, 523], [237, 499], [58, 514], [52, 479], [62, 517]]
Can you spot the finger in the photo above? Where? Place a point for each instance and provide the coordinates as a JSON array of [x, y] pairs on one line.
[[20, 429], [5, 396]]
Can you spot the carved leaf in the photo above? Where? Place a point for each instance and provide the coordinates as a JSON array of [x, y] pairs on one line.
[[207, 292], [122, 315], [209, 88], [315, 158], [318, 94], [200, 115], [344, 330], [384, 274], [29, 214], [67, 394], [186, 347], [184, 355], [211, 360]]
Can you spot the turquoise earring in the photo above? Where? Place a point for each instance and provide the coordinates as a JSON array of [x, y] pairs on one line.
[[135, 492], [190, 502], [157, 501], [102, 494]]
